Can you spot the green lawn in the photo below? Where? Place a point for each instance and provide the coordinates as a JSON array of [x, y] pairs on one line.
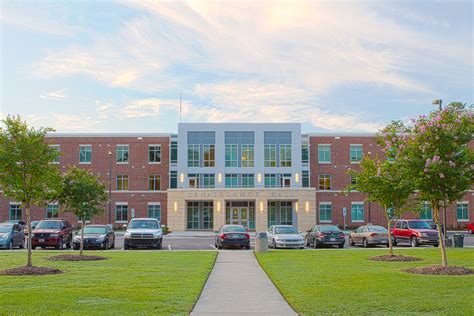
[[135, 282], [345, 282]]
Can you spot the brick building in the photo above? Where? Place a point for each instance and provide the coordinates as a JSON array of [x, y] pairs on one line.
[[211, 174]]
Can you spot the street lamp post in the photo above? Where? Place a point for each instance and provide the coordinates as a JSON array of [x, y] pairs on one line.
[[110, 187]]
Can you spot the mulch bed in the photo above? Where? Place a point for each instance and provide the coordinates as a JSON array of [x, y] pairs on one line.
[[440, 270], [26, 270], [76, 258], [397, 258]]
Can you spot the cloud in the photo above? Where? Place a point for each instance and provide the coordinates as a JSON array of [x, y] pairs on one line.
[[139, 108], [55, 95]]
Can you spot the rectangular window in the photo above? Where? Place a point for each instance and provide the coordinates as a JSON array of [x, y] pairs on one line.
[[285, 155], [285, 180], [231, 155], [247, 155], [122, 182], [305, 154], [52, 211], [270, 155], [173, 179], [231, 181], [209, 155], [426, 212], [15, 211], [193, 155], [193, 181], [154, 153], [356, 153], [209, 180], [58, 149], [154, 211], [248, 181], [154, 182], [325, 212], [174, 152], [280, 213], [122, 154], [121, 213], [324, 153], [305, 179], [85, 153], [462, 212], [353, 180], [271, 180], [324, 182], [357, 212]]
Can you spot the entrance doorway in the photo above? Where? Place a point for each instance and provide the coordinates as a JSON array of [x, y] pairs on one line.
[[239, 216], [241, 213]]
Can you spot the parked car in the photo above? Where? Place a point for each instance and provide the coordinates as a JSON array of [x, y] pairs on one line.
[[470, 228], [55, 233], [434, 226], [143, 233], [19, 222], [327, 235], [232, 235], [415, 232], [33, 226], [369, 235], [95, 236], [11, 236], [284, 236]]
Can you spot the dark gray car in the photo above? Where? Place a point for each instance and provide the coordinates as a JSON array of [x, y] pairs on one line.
[[325, 235], [232, 236]]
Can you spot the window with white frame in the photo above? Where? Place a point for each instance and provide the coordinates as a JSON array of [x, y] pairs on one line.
[[325, 212], [193, 181], [305, 179], [122, 154], [85, 154], [231, 156], [52, 211], [247, 155], [231, 180], [15, 211], [121, 213], [285, 155], [270, 155], [462, 212], [324, 181], [208, 180], [324, 153], [356, 152], [271, 180], [209, 151], [122, 182], [154, 211], [357, 211], [193, 155], [154, 153], [426, 212], [57, 148], [248, 180], [154, 182]]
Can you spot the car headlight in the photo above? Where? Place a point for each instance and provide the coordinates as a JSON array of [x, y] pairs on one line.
[[5, 236], [126, 235], [77, 238], [424, 235], [157, 235], [54, 235]]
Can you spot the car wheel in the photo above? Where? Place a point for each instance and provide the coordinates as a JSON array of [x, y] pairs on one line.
[[68, 244], [75, 247], [247, 247], [113, 245], [11, 245], [274, 245], [160, 245], [365, 242], [126, 246], [22, 244], [394, 243], [315, 244], [307, 242], [436, 245], [33, 247], [341, 246], [219, 246], [414, 242], [351, 242]]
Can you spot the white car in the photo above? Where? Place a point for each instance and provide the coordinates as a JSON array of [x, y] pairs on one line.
[[142, 233], [284, 236]]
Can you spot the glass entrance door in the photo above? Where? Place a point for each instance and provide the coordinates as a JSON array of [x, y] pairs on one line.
[[240, 216]]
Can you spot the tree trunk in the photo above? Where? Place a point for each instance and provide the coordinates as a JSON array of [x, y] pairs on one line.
[[442, 245], [29, 262], [82, 235], [389, 228]]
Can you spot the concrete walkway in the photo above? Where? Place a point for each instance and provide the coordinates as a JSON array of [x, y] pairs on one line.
[[238, 285]]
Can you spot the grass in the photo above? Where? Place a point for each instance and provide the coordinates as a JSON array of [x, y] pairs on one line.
[[346, 282], [138, 282]]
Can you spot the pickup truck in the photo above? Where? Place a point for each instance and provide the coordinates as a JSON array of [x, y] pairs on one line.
[[143, 233], [414, 232]]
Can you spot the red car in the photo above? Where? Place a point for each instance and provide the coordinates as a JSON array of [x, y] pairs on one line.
[[415, 232], [470, 228], [52, 233]]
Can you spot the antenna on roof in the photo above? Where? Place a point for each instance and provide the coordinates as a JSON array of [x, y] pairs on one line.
[[180, 106]]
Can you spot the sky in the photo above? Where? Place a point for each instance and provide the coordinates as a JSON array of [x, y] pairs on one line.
[[83, 66]]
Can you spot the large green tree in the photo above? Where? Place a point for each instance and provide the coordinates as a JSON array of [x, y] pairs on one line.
[[83, 194], [27, 174]]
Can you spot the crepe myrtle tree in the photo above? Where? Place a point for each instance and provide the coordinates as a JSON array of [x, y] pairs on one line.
[[433, 152], [27, 174], [384, 184], [83, 194]]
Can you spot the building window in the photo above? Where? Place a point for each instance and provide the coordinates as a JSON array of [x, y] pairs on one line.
[[122, 154], [154, 153], [324, 182], [52, 211], [271, 180], [231, 180], [174, 152], [285, 180], [280, 213], [248, 181], [325, 212], [356, 153], [173, 179], [353, 180], [193, 155], [85, 153], [270, 155], [15, 211], [209, 155], [305, 179], [58, 149], [154, 182], [122, 182], [247, 155], [285, 155], [121, 213], [357, 212], [305, 154], [200, 215], [193, 181], [462, 212], [426, 212], [231, 155], [209, 180], [324, 153], [154, 211]]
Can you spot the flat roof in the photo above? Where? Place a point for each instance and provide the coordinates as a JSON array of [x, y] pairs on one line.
[[109, 134]]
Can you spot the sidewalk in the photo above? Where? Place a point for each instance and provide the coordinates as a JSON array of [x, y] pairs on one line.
[[238, 285]]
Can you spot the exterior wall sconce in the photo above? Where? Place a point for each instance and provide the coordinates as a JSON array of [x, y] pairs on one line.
[[219, 177], [297, 177], [181, 177], [218, 206], [261, 206], [296, 207], [259, 178], [175, 206], [306, 206]]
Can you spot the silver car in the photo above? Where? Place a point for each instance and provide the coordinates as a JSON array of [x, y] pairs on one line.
[[143, 233], [284, 236]]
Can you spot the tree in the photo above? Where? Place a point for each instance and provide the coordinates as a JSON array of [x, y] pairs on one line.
[[434, 153], [27, 174], [83, 194], [385, 185]]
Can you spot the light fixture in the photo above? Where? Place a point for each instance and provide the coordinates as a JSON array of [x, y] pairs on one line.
[[218, 206], [175, 206], [219, 177], [297, 177], [296, 207], [307, 206], [181, 177], [259, 178], [261, 206]]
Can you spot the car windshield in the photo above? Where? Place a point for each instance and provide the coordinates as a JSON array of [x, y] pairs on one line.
[[149, 224], [419, 224], [49, 225], [94, 230], [227, 229], [285, 230], [328, 228], [5, 228], [377, 229]]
